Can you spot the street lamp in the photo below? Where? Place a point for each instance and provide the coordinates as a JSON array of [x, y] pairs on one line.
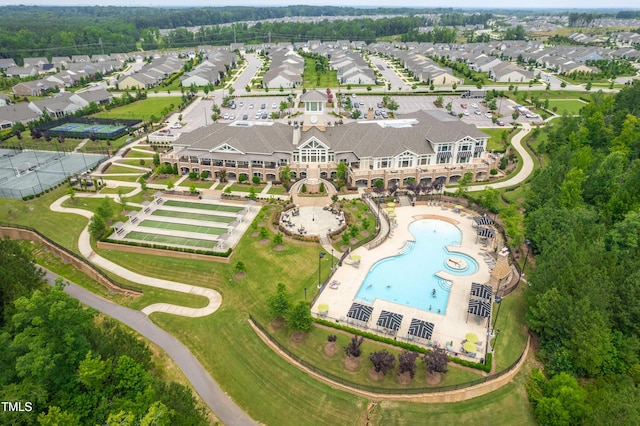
[[320, 256], [498, 300], [305, 294], [332, 258], [528, 243], [495, 339]]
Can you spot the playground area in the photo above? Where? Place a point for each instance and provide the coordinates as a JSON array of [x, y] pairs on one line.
[[195, 224], [25, 173]]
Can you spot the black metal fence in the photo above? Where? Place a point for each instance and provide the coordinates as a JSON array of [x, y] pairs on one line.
[[379, 390], [75, 256]]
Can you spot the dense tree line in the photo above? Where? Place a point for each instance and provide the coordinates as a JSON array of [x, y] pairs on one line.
[[583, 300], [72, 366]]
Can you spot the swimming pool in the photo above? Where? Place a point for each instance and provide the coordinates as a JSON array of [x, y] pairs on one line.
[[410, 277]]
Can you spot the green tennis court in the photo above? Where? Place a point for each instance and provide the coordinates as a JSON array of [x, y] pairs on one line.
[[169, 239], [183, 227], [203, 206], [194, 216]]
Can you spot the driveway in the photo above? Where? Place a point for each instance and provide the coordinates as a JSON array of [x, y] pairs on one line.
[[223, 407]]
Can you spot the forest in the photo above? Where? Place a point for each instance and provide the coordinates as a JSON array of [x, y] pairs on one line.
[[29, 31], [583, 300], [71, 365]]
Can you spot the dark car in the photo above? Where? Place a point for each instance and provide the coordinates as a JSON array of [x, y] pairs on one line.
[[263, 106], [379, 105], [264, 115], [245, 117]]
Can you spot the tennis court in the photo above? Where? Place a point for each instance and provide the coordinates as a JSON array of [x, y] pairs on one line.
[[90, 128], [208, 230], [82, 127], [203, 206], [171, 240], [194, 216]]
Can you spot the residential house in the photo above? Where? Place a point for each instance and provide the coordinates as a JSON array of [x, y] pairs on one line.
[[31, 88], [510, 73], [16, 113], [98, 96], [7, 63], [56, 107]]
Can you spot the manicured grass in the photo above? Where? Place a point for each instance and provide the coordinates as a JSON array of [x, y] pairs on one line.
[[328, 78], [571, 106], [507, 406], [164, 179], [513, 335], [203, 206], [62, 228], [124, 189], [246, 188], [169, 239], [115, 169], [196, 183], [194, 216], [277, 190], [495, 142], [312, 351], [141, 110], [136, 162], [183, 227], [129, 178], [134, 153]]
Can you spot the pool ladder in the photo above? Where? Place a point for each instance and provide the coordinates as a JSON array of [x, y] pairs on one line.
[[445, 285], [407, 247]]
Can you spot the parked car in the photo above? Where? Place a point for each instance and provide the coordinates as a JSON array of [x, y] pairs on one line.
[[463, 106], [264, 115], [176, 126], [500, 123], [274, 105], [356, 105], [488, 115], [250, 106], [232, 116], [384, 114], [354, 95], [465, 112], [474, 105], [380, 105], [226, 116], [452, 112], [477, 112], [241, 103], [258, 115], [245, 117], [263, 106]]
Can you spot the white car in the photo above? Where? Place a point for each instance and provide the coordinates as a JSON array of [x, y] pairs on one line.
[[274, 105], [226, 116], [488, 115], [465, 112], [176, 126], [474, 105], [477, 112], [250, 106]]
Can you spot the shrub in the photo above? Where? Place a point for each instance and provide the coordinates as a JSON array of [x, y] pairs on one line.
[[322, 189], [255, 180], [303, 189], [493, 172], [242, 178], [353, 348]]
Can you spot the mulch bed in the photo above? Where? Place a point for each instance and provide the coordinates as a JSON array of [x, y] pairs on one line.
[[279, 247], [374, 375], [330, 349], [351, 363], [433, 379], [240, 275], [255, 234], [297, 337], [404, 378], [264, 241], [365, 233]]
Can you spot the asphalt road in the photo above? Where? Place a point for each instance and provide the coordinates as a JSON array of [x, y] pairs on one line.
[[223, 407]]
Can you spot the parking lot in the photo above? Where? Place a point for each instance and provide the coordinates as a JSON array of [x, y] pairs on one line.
[[199, 114]]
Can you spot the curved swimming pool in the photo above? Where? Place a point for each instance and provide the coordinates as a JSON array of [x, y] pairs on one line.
[[410, 277]]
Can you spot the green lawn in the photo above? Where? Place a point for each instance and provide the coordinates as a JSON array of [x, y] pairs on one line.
[[310, 76], [194, 216], [125, 190], [513, 335], [139, 154], [115, 169], [495, 138], [208, 230], [571, 106], [196, 183], [141, 110], [277, 190], [246, 188], [136, 162], [203, 206]]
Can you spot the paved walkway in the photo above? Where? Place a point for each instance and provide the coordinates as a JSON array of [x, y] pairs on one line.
[[84, 245], [210, 392]]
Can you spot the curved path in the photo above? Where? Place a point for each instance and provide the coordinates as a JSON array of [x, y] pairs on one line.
[[223, 406], [84, 245]]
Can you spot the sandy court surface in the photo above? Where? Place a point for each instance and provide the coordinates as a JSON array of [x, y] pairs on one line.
[[449, 327]]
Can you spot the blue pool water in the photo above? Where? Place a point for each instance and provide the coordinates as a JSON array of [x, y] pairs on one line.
[[409, 278]]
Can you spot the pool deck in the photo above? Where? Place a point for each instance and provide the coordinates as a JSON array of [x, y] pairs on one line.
[[453, 325]]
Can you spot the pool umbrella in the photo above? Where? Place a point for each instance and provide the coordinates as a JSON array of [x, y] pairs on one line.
[[481, 290], [389, 209], [392, 214], [458, 206], [391, 204], [469, 347], [355, 257], [421, 328], [360, 312], [323, 308], [390, 320], [471, 337], [483, 220]]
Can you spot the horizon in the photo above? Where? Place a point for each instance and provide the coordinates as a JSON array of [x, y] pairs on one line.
[[563, 6]]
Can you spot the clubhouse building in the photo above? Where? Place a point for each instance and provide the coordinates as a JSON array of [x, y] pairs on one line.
[[425, 146]]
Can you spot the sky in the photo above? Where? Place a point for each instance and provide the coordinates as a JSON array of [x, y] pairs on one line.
[[485, 4]]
